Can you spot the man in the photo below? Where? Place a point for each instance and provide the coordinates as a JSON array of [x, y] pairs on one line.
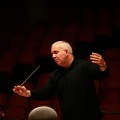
[[73, 83]]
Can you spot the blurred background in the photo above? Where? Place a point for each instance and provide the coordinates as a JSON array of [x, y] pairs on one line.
[[27, 30]]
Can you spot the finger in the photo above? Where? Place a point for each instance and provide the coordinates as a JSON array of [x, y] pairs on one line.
[[94, 58], [93, 53], [17, 89], [23, 88]]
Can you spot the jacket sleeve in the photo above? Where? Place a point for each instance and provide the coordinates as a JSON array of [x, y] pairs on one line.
[[45, 92], [95, 72]]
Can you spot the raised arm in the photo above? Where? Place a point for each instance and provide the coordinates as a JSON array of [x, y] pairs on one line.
[[98, 59]]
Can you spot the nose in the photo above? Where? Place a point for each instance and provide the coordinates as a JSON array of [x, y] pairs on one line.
[[53, 55]]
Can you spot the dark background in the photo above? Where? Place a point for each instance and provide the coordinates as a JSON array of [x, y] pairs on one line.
[[29, 27], [14, 14], [25, 21]]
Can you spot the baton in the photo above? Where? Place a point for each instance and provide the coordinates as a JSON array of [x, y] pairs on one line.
[[29, 76]]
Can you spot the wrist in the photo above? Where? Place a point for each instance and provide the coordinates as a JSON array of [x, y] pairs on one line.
[[104, 65]]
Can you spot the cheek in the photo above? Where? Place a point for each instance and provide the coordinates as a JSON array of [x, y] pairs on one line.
[[62, 57]]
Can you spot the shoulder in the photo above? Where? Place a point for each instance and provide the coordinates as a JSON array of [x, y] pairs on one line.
[[85, 64], [57, 70], [81, 61]]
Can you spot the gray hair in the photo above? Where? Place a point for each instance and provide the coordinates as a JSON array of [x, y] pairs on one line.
[[64, 45]]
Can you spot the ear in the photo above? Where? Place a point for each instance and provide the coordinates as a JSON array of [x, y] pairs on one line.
[[66, 52]]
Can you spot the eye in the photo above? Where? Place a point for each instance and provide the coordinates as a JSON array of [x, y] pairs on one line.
[[55, 52]]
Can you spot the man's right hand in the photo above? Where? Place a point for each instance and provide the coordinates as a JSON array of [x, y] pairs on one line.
[[22, 91]]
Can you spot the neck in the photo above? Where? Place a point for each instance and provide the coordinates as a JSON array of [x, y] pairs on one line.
[[69, 62]]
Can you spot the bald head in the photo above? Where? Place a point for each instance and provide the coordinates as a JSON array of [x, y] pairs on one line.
[[64, 45], [43, 113]]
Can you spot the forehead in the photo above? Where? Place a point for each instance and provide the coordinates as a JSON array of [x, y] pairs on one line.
[[56, 48]]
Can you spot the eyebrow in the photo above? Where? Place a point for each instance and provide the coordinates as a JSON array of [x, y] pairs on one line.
[[54, 51]]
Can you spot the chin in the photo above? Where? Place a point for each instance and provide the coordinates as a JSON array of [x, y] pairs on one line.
[[58, 63]]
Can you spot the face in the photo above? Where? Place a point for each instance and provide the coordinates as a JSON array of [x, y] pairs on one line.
[[59, 55]]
